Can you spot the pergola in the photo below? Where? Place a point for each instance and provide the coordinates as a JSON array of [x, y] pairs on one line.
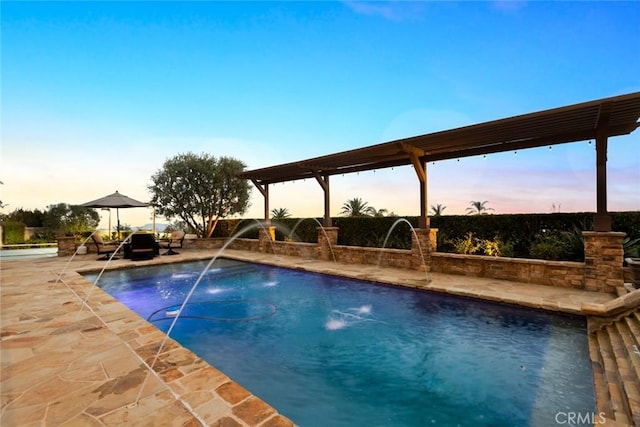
[[594, 120]]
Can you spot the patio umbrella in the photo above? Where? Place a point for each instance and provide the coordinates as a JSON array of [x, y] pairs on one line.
[[117, 201]]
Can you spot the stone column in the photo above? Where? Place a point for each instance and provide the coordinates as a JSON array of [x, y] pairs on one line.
[[266, 235], [603, 258], [327, 241], [421, 248], [433, 238], [66, 246]]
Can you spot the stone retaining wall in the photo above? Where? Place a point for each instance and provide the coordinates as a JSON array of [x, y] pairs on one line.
[[66, 246], [550, 273], [397, 258], [602, 270], [603, 256], [562, 274]]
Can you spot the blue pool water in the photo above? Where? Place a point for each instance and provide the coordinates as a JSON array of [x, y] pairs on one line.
[[329, 351]]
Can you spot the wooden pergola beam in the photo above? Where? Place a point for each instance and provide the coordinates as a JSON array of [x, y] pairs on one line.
[[324, 183], [263, 188], [419, 165], [598, 119]]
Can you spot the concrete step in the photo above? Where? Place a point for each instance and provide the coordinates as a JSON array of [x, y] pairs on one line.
[[603, 398], [629, 380], [617, 397], [630, 332]]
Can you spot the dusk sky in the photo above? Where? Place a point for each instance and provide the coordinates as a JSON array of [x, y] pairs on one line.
[[97, 95]]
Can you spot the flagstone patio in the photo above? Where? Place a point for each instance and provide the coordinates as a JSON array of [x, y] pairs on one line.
[[72, 355]]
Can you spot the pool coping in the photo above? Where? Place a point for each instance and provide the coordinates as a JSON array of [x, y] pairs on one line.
[[115, 347]]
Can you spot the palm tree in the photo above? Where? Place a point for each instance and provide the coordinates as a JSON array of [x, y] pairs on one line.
[[376, 212], [280, 213], [355, 207], [438, 209], [478, 208]]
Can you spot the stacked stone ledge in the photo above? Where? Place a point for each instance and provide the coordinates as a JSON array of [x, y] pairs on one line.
[[603, 258]]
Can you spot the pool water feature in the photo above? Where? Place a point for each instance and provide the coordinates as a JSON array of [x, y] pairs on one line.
[[325, 350]]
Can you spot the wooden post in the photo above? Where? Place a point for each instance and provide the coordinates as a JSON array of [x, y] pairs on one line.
[[420, 166], [324, 183], [264, 190], [602, 220]]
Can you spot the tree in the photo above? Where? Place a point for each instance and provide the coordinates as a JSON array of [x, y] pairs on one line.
[[438, 209], [376, 212], [280, 213], [478, 208], [200, 190], [70, 219], [29, 218], [355, 207]]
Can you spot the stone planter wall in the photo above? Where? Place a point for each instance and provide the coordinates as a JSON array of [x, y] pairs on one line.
[[562, 274], [245, 245], [213, 243], [602, 270], [66, 246], [395, 258], [302, 250], [550, 273], [603, 256]]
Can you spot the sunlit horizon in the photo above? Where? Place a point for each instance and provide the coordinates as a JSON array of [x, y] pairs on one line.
[[96, 96]]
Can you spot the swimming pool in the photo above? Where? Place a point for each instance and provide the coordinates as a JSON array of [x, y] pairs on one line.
[[27, 253], [325, 350]]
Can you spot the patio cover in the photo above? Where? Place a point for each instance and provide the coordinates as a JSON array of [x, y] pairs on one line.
[[594, 120]]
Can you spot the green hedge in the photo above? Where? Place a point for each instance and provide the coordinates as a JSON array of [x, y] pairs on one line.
[[542, 233], [526, 231], [373, 232], [12, 232]]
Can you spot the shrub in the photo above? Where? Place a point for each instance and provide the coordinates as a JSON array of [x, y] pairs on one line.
[[470, 245], [44, 237], [551, 245], [12, 232], [497, 247], [546, 250], [631, 247]]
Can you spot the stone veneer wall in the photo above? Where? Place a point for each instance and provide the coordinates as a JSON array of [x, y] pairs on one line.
[[603, 256], [602, 270], [550, 273], [398, 258], [66, 246], [218, 242], [562, 274], [302, 250]]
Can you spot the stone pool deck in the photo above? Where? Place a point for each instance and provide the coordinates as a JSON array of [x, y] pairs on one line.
[[71, 355]]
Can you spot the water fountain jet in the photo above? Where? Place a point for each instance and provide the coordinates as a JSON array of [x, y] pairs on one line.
[[326, 236], [415, 235]]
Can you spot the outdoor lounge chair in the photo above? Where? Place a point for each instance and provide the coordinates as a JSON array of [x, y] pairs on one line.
[[104, 248], [175, 241], [143, 246]]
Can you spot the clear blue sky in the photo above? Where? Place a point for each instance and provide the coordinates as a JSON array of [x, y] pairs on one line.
[[96, 96]]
